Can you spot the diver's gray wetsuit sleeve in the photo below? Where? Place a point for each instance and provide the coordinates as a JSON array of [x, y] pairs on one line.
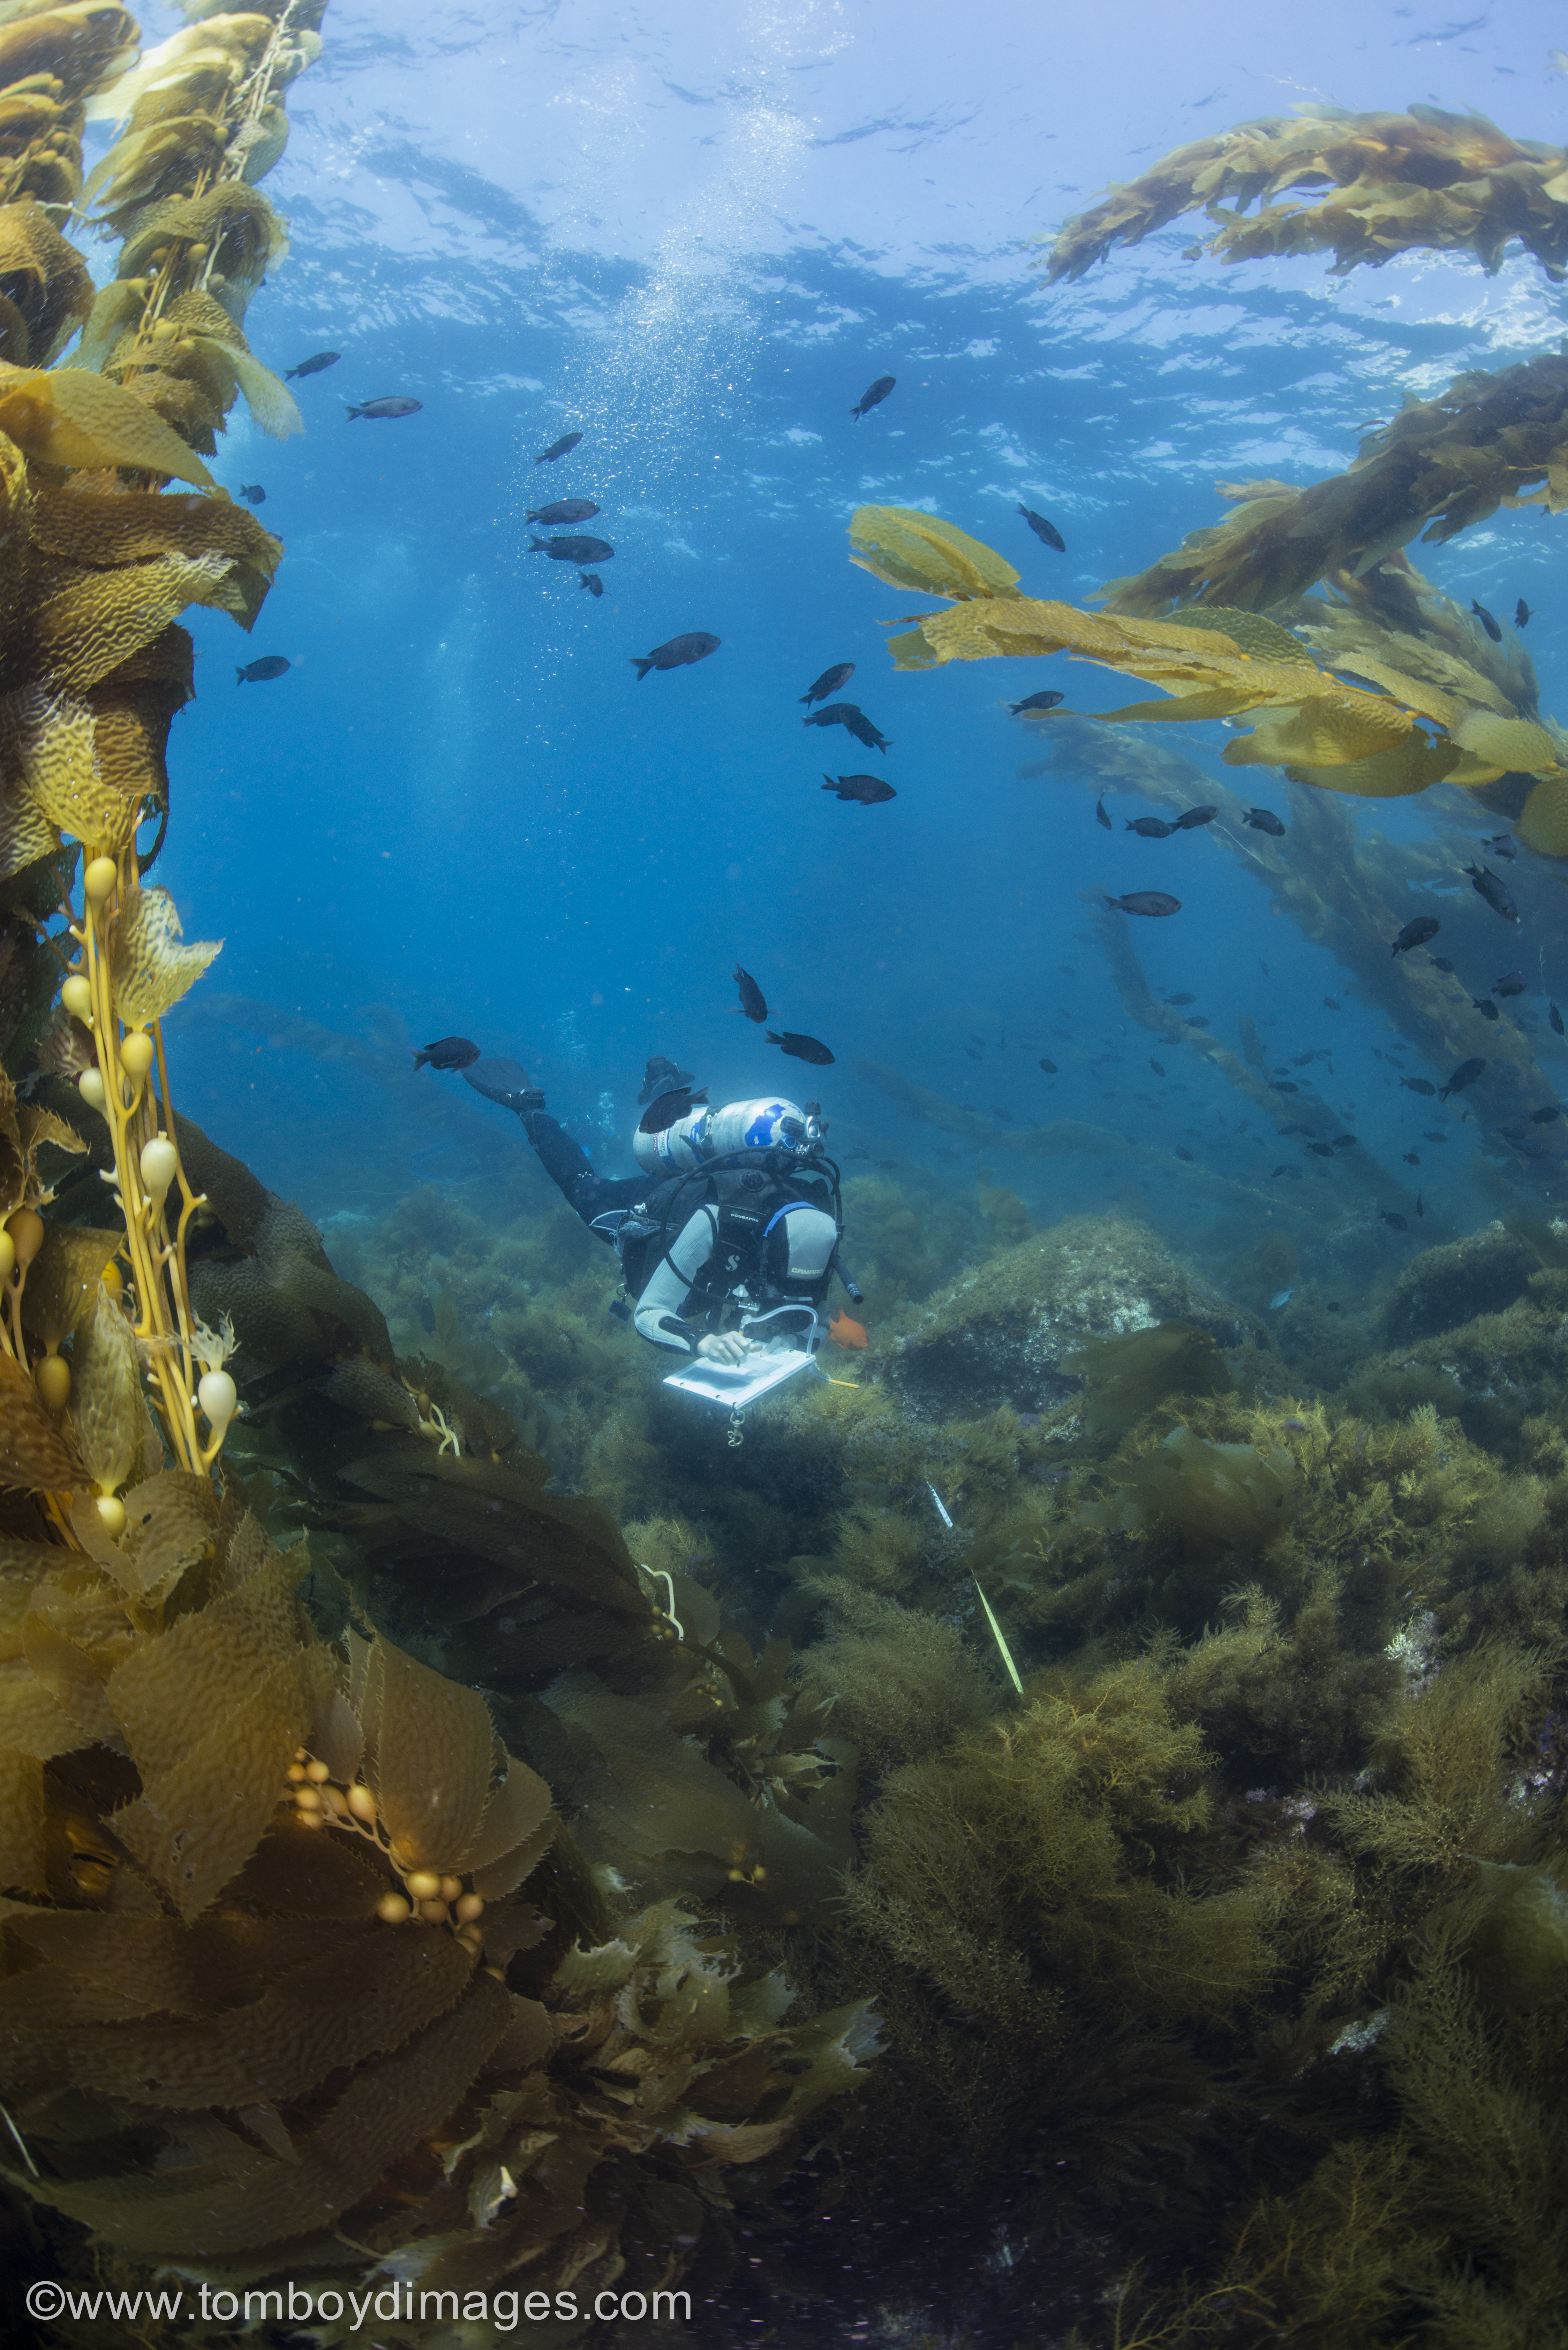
[[665, 1299]]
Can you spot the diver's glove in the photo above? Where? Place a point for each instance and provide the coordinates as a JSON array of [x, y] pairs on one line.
[[505, 1081], [723, 1346]]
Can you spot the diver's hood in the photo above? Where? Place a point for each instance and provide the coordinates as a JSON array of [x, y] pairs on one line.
[[663, 1076]]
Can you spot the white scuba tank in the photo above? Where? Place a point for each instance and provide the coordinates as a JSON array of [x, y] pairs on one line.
[[706, 1134], [751, 1126]]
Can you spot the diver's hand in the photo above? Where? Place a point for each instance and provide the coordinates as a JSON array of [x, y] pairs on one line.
[[724, 1346]]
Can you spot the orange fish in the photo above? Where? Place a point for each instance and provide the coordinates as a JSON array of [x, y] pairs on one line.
[[845, 1333]]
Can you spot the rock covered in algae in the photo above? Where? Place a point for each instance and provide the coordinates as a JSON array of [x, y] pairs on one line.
[[1443, 1287], [1009, 1331]]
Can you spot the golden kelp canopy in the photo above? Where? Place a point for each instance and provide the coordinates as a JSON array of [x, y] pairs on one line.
[[1441, 464], [1421, 181], [1312, 723], [911, 549]]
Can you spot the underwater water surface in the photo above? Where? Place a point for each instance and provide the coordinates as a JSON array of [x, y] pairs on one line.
[[1047, 1832], [691, 242]]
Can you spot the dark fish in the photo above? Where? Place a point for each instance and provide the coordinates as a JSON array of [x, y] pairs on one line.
[[802, 1048], [1442, 962], [751, 1002], [1465, 1074], [1284, 1085], [1331, 1003], [1544, 1116], [1050, 1069], [1187, 1155], [253, 494], [828, 682], [1044, 529], [1502, 845], [562, 511], [1144, 901], [1178, 999], [1157, 1067], [848, 714], [1416, 933], [973, 1053], [1005, 1115], [1324, 1150], [561, 448], [397, 403], [1152, 827], [1420, 1205], [1499, 897], [1484, 1005], [1101, 817], [258, 673], [868, 789], [1400, 1223], [873, 397], [1411, 1158], [1035, 701], [1435, 1138], [1418, 1084], [974, 1039], [1521, 614], [592, 582], [1488, 623], [1293, 1172], [1189, 820], [1264, 820], [572, 550], [448, 1052], [678, 653], [1197, 1020], [312, 366], [1512, 983], [1345, 1142], [1555, 1017]]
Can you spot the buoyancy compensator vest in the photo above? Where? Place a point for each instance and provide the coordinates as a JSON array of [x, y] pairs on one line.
[[748, 1195]]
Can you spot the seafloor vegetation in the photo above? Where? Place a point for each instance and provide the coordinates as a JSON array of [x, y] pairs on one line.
[[1209, 1965], [465, 1820]]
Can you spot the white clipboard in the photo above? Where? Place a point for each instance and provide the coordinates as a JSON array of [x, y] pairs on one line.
[[735, 1385]]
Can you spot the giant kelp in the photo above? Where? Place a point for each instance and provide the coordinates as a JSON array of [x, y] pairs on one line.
[[1439, 466], [277, 1912], [1216, 664], [1425, 181], [1348, 890]]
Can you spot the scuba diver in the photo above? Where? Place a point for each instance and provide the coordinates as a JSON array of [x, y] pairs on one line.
[[732, 1224]]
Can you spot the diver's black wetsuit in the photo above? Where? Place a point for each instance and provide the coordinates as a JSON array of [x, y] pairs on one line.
[[567, 1165], [570, 1169]]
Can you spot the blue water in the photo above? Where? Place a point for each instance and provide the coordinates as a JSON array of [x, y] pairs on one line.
[[697, 240]]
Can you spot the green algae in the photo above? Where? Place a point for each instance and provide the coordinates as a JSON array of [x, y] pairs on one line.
[[1151, 1940]]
